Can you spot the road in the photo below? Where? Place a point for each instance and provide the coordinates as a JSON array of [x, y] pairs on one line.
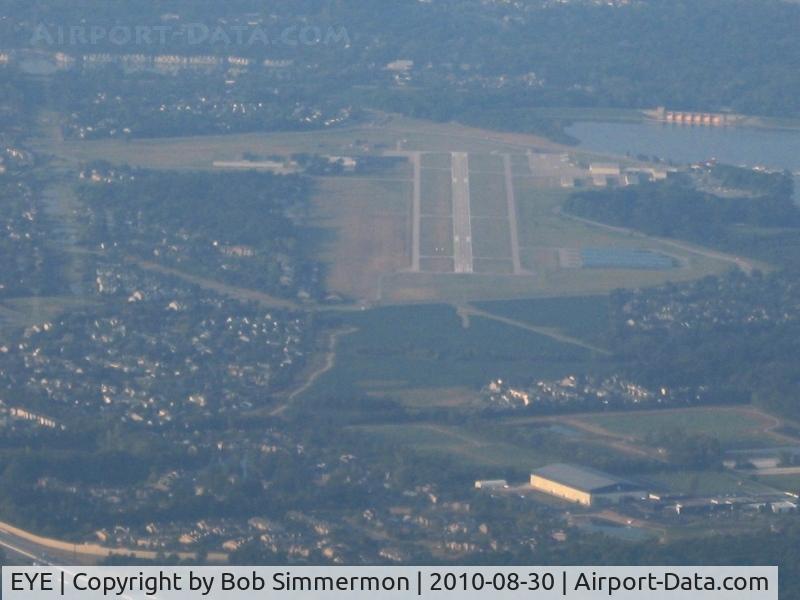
[[462, 219], [22, 552], [512, 215], [27, 548]]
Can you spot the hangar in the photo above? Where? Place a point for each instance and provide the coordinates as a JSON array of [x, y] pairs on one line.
[[583, 485]]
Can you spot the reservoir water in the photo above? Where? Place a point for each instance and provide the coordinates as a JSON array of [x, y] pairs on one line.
[[773, 148], [743, 146]]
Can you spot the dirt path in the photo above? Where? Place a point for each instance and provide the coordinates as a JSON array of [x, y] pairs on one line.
[[444, 432], [772, 425], [625, 444], [470, 310], [328, 363]]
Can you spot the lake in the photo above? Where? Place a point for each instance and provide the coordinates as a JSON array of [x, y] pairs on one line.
[[773, 148]]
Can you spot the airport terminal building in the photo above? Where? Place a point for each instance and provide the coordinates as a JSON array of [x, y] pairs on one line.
[[583, 485]]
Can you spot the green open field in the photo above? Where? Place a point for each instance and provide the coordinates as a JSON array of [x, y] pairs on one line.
[[708, 483], [787, 483], [485, 163], [401, 288], [491, 238], [488, 457], [503, 266], [488, 195], [437, 194], [408, 348], [732, 426], [543, 229], [436, 236], [494, 450], [437, 160], [437, 264], [581, 316], [520, 166]]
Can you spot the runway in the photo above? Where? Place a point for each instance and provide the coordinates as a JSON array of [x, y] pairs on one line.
[[462, 219], [512, 215]]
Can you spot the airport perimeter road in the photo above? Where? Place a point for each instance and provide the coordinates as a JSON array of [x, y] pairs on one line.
[[462, 225]]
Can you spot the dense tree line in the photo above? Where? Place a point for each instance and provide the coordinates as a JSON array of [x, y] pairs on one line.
[[763, 183], [737, 335], [674, 208], [491, 64]]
